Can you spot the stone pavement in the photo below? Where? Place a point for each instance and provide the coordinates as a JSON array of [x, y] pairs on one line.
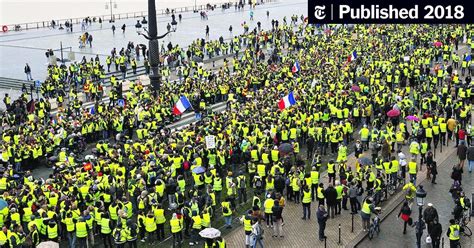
[[303, 233], [438, 194], [18, 48]]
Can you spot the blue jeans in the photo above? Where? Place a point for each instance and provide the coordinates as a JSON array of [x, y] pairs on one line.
[[470, 163], [256, 240], [71, 237], [228, 220]]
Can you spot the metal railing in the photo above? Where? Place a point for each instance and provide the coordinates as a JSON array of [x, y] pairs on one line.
[[118, 16]]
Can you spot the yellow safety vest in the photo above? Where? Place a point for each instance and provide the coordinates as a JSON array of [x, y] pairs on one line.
[[175, 226], [52, 232], [454, 232], [81, 229], [306, 196], [412, 168]]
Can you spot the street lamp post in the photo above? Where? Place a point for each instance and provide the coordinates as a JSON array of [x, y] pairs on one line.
[[114, 6], [152, 37], [420, 196]]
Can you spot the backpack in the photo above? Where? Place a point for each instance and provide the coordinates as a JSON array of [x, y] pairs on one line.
[[467, 202], [225, 210], [258, 183], [241, 183]]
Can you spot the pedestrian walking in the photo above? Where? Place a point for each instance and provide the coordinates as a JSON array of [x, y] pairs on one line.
[[113, 29], [434, 172], [366, 212], [257, 234], [247, 221], [470, 157], [123, 28], [419, 226], [353, 193], [454, 233], [430, 214], [404, 214], [330, 194], [306, 202], [462, 153], [277, 212], [435, 234], [28, 72], [322, 216]]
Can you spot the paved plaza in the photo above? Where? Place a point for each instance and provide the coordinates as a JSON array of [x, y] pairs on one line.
[[18, 48]]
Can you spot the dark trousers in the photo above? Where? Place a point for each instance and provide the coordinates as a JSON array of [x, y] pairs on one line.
[[82, 242], [107, 240], [314, 188], [435, 242], [307, 210], [331, 210], [354, 204], [242, 195], [269, 219], [454, 243], [338, 206], [177, 237], [161, 231], [322, 227], [297, 196], [132, 243]]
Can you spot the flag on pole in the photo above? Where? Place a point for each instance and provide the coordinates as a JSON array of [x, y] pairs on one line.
[[296, 67], [287, 101], [468, 58], [92, 110], [352, 57], [181, 105]]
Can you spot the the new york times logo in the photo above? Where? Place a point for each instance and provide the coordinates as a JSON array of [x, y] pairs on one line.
[[389, 11], [319, 12]]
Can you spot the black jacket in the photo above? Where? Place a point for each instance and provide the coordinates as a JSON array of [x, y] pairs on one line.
[[430, 214], [330, 194]]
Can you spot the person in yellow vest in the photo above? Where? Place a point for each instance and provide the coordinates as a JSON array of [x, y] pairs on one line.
[[150, 226], [105, 230], [33, 235], [69, 222], [120, 236], [196, 228], [131, 229], [314, 174], [366, 212], [306, 202], [52, 231], [176, 230], [268, 205], [81, 233], [454, 233], [159, 213], [227, 212], [247, 222], [412, 170]]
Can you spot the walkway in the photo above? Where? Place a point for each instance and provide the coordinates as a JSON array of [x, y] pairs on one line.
[[438, 194], [301, 233]]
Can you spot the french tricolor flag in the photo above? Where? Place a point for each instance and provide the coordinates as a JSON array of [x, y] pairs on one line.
[[296, 67], [352, 57], [181, 105], [287, 101]]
